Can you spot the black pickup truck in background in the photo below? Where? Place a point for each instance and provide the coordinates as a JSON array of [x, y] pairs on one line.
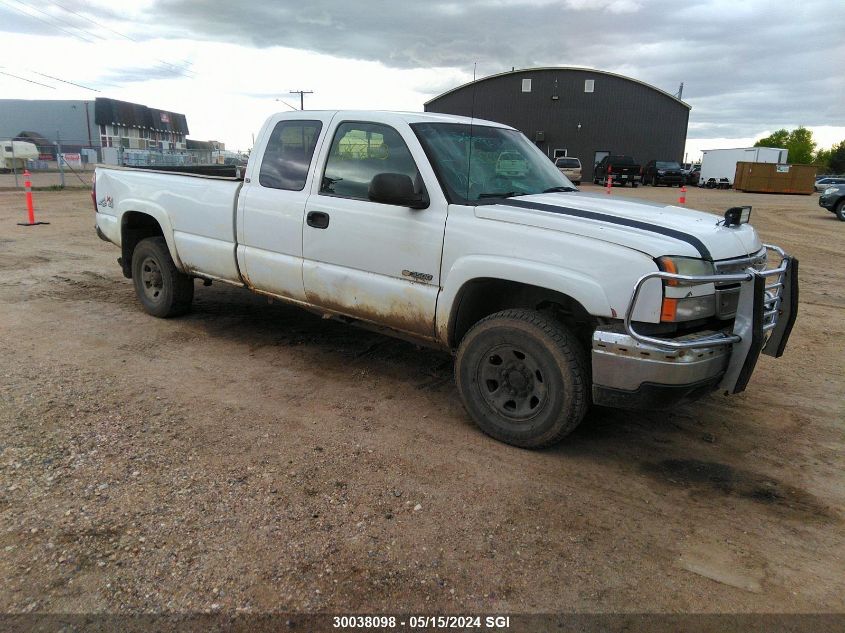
[[622, 170], [663, 172]]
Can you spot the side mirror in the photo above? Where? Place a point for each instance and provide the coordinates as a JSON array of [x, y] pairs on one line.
[[397, 189]]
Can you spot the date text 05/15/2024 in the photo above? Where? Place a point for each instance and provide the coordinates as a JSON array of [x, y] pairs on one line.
[[422, 622]]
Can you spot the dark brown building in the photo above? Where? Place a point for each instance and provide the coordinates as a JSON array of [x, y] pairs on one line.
[[577, 112]]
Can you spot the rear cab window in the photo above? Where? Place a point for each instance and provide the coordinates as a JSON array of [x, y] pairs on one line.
[[288, 155]]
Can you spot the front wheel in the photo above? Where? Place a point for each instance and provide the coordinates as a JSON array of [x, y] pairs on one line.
[[840, 210], [523, 378], [162, 290]]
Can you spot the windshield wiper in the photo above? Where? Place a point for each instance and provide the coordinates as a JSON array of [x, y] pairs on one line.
[[561, 188], [502, 194]]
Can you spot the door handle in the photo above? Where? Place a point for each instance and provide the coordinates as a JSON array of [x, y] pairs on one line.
[[317, 219]]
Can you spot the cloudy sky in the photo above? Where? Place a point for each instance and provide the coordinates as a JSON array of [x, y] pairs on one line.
[[748, 66]]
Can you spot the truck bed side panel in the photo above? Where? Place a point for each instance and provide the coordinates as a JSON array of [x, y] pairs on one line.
[[200, 210]]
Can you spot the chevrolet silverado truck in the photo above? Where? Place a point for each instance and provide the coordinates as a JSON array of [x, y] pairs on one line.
[[551, 299], [620, 170]]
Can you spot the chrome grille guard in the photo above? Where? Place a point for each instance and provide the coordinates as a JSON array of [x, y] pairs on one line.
[[766, 311]]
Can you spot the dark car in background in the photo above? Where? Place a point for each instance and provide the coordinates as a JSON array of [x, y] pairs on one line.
[[620, 169], [833, 199], [663, 172]]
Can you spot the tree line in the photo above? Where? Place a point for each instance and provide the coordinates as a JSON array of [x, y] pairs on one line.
[[802, 149]]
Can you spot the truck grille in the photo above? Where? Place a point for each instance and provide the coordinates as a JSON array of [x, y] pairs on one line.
[[727, 295]]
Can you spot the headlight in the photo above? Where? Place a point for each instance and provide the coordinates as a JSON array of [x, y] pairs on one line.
[[829, 190], [687, 301], [686, 265]]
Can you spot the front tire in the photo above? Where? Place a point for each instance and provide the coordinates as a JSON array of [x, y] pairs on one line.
[[523, 378], [162, 290], [840, 210]]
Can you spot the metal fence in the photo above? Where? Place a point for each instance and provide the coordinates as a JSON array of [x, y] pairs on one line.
[[73, 160]]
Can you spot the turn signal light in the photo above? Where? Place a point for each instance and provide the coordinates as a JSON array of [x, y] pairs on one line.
[[669, 309]]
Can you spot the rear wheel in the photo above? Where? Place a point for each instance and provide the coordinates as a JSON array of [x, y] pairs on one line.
[[162, 290], [523, 378]]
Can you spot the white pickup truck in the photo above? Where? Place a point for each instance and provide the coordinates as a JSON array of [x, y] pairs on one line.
[[552, 299]]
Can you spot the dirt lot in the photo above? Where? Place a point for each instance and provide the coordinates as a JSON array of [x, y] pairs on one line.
[[254, 457]]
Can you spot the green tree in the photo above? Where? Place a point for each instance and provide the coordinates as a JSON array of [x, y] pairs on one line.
[[799, 142], [822, 159], [833, 159]]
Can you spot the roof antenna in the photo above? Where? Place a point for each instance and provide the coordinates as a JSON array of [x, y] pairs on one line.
[[471, 123], [681, 91]]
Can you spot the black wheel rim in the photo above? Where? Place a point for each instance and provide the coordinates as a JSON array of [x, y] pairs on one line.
[[512, 382], [152, 281]]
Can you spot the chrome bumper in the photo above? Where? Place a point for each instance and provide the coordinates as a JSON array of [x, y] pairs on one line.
[[626, 362]]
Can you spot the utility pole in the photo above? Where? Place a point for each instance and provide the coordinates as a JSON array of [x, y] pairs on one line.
[[14, 163], [302, 94], [59, 157]]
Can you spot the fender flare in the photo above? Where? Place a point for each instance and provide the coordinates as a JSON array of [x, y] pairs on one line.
[[159, 215], [574, 284]]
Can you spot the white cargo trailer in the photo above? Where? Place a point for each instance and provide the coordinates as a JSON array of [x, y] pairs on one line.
[[718, 166]]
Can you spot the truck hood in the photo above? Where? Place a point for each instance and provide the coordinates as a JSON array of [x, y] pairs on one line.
[[652, 228]]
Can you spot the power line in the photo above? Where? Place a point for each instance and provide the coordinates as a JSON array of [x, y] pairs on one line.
[[58, 19], [29, 80], [127, 37], [180, 69], [288, 105], [64, 81], [55, 26]]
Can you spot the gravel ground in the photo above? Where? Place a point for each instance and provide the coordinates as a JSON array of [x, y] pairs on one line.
[[251, 457]]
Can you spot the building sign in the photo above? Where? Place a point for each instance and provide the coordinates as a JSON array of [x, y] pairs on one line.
[[165, 118], [72, 159]]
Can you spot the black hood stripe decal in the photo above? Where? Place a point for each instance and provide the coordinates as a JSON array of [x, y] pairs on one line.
[[611, 219]]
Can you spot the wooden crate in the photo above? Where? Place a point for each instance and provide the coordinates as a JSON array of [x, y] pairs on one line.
[[774, 178]]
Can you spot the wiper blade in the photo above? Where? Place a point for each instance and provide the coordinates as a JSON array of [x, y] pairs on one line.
[[561, 188], [502, 194]]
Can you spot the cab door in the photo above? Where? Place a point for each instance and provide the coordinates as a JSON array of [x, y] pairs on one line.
[[377, 262], [272, 204]]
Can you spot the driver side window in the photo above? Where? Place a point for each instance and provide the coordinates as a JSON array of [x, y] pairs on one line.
[[358, 152]]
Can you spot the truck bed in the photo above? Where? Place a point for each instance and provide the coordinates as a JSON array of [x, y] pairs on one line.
[[226, 172]]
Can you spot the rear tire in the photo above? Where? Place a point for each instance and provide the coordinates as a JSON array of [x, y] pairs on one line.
[[523, 378], [840, 210], [162, 290]]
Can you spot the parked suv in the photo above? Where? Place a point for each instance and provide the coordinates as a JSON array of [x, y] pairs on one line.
[[663, 172], [833, 199], [570, 167]]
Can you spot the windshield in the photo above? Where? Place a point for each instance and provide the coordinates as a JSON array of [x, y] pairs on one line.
[[475, 163], [663, 164]]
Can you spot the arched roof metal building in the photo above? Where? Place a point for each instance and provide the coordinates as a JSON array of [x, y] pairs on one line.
[[577, 112]]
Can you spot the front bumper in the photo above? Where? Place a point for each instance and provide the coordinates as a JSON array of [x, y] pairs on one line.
[[632, 370], [670, 179], [827, 203]]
